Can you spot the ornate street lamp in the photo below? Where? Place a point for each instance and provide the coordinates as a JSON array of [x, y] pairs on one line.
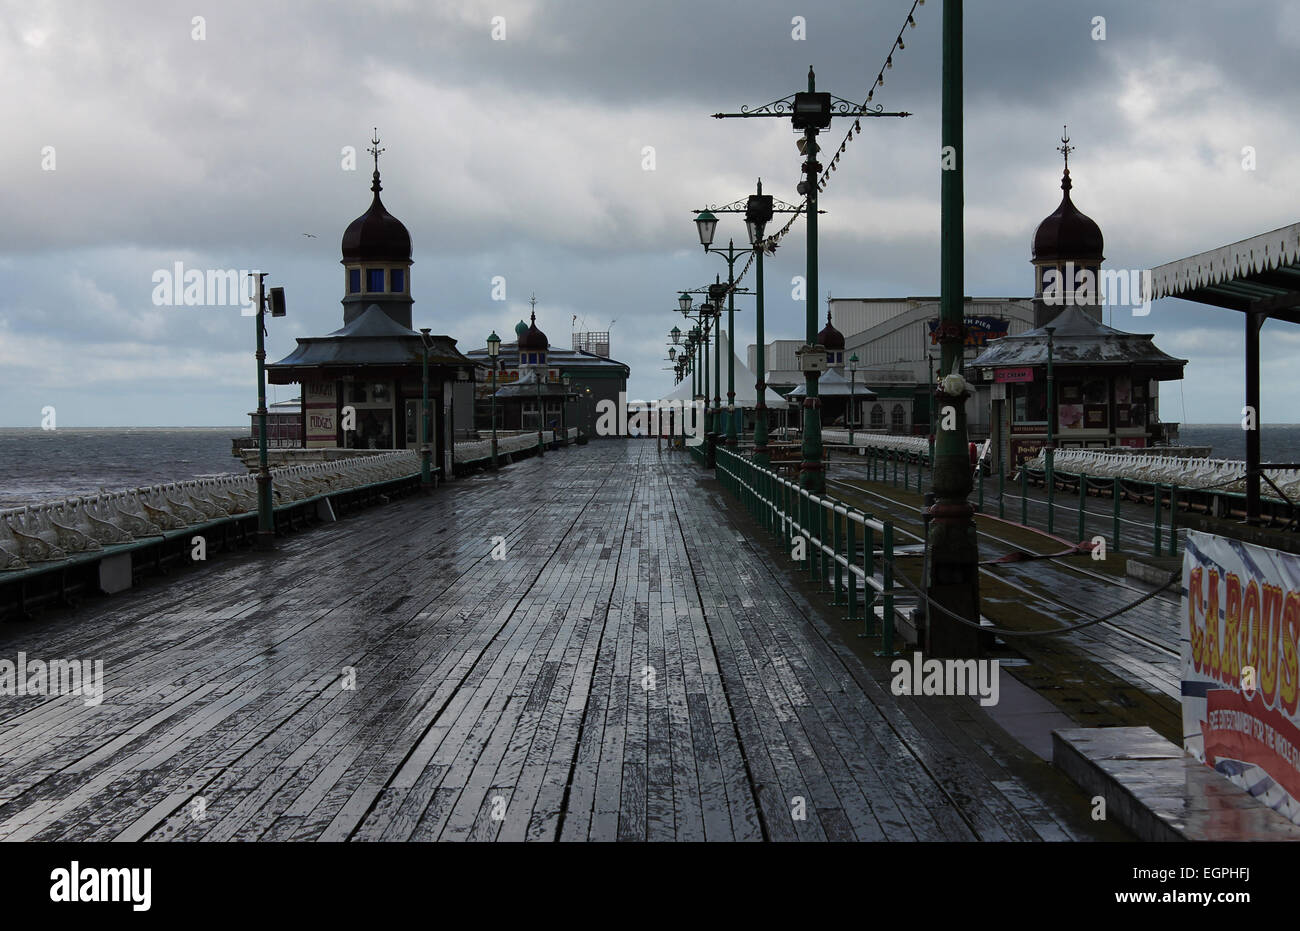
[[684, 301], [853, 393], [706, 224], [265, 506], [494, 351], [677, 335], [811, 112]]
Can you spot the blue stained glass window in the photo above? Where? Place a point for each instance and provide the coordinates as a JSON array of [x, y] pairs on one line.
[[374, 279], [398, 278], [354, 280]]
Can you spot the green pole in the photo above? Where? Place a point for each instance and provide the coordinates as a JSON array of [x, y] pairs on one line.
[[1024, 496], [954, 550], [762, 455], [265, 513], [717, 371], [811, 475], [494, 412], [731, 343]]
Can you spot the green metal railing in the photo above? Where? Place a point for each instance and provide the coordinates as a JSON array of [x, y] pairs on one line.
[[840, 542], [1162, 495]]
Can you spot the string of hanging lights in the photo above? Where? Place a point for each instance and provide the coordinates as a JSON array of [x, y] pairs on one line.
[[856, 128]]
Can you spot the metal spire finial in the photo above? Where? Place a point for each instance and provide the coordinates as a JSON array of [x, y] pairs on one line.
[[375, 150], [1065, 149]]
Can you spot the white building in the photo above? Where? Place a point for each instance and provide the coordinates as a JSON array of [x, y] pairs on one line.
[[893, 340]]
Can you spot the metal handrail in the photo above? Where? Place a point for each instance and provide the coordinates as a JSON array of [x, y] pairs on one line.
[[788, 510]]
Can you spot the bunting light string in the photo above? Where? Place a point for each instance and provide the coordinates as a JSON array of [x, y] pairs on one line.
[[856, 128]]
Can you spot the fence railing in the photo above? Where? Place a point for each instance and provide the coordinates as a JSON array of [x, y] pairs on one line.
[[59, 529], [839, 542]]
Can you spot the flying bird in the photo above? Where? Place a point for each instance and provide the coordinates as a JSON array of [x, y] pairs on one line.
[[310, 235]]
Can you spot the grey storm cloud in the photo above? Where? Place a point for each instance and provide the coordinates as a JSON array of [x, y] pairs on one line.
[[524, 159]]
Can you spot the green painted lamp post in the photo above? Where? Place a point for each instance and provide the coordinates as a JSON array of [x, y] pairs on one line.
[[811, 111], [494, 353], [758, 213], [265, 539], [426, 439], [853, 393], [716, 292], [706, 224], [953, 578]]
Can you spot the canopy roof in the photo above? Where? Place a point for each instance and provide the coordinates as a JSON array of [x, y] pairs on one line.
[[1078, 339], [372, 339], [746, 393], [832, 384], [1260, 274]]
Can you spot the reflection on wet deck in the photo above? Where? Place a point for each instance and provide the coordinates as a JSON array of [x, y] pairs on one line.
[[634, 668]]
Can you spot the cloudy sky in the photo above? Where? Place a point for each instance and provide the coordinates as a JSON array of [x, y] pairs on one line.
[[218, 145]]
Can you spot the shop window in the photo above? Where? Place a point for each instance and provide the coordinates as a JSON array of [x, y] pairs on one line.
[[877, 417], [898, 418]]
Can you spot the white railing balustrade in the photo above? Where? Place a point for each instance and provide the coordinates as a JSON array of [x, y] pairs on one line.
[[482, 449], [1228, 475], [58, 529], [917, 445]]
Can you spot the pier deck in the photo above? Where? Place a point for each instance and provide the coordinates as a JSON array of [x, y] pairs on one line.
[[506, 699]]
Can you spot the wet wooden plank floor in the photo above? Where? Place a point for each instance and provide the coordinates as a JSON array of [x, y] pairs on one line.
[[633, 669]]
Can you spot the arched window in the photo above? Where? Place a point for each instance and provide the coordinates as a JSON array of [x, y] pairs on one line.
[[877, 417], [898, 418]]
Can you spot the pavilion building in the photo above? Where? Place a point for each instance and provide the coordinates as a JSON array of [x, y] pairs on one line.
[[1106, 381], [530, 383], [363, 384]]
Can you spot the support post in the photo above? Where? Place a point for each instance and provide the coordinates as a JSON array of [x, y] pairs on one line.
[[954, 549], [1253, 323], [265, 498]]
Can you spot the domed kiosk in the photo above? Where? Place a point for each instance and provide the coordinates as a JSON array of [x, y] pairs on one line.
[[362, 385]]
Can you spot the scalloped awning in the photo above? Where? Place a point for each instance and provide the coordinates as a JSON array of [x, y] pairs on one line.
[[1260, 274]]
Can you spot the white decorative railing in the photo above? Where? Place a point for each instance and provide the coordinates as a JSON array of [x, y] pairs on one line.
[[59, 529], [1203, 473], [482, 449], [919, 445]]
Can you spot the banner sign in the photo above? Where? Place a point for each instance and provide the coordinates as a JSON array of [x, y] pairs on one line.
[[320, 410], [1008, 376], [979, 330], [1240, 680]]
